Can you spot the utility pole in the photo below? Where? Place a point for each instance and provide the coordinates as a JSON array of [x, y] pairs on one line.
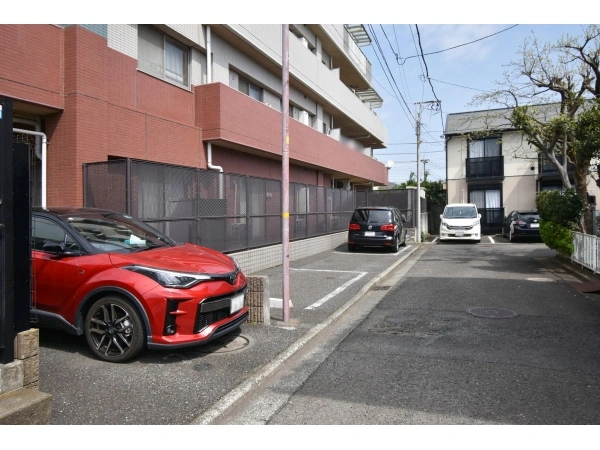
[[424, 161], [418, 131], [285, 175]]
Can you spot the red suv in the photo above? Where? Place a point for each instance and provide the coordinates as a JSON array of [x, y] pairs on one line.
[[127, 286]]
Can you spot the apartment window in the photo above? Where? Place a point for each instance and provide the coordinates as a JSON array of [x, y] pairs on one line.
[[485, 148], [161, 56], [250, 89]]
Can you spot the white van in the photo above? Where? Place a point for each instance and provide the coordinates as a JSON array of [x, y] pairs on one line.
[[460, 221]]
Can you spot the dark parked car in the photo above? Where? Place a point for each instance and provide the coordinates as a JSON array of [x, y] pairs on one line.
[[378, 226], [126, 286], [521, 224]]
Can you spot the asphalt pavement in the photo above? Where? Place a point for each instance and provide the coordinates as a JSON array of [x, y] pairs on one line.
[[466, 334], [373, 337]]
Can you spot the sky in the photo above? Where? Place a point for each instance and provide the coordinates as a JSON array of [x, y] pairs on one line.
[[457, 75]]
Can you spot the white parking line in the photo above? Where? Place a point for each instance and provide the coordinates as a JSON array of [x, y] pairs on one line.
[[337, 291], [325, 270], [384, 254], [491, 240], [435, 239]]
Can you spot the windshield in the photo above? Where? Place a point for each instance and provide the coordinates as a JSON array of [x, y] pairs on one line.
[[116, 232], [460, 212], [372, 215]]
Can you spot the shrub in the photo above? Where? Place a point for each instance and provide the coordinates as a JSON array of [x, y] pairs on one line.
[[557, 237], [562, 207]]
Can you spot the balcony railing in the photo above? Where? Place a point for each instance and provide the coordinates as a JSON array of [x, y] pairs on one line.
[[547, 169], [491, 219], [488, 167]]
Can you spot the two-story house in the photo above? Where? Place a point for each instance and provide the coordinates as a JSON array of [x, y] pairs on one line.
[[489, 163]]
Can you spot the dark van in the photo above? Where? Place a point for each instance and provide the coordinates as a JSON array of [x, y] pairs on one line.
[[377, 226]]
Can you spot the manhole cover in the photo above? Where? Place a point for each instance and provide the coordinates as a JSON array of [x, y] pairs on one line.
[[223, 345], [381, 288], [492, 313]]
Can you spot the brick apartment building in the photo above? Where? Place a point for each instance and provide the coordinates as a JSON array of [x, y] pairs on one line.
[[201, 96]]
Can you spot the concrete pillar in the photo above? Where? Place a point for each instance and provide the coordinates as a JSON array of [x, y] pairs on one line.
[[258, 300]]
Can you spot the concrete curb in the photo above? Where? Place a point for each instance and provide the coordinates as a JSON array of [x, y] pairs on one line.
[[234, 395]]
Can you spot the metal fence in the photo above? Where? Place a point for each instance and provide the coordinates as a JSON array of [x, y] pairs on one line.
[[585, 251], [227, 212], [403, 199]]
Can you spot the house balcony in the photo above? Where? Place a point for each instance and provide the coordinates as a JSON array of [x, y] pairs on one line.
[[547, 171], [485, 169], [232, 119]]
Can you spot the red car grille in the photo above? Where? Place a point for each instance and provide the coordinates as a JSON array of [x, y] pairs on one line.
[[206, 319]]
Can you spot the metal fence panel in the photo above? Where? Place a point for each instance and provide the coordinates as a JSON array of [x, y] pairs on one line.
[[585, 250], [227, 212]]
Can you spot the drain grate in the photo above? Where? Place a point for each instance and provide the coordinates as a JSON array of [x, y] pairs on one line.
[[492, 313], [381, 288]]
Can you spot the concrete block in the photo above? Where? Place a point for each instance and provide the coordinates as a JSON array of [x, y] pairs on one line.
[[27, 343], [25, 407], [35, 385], [11, 376], [257, 300], [31, 370]]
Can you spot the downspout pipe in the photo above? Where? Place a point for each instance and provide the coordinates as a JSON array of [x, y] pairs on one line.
[[208, 55], [209, 163], [44, 145], [211, 166]]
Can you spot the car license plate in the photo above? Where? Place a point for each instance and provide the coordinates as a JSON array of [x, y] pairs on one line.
[[237, 303], [459, 233], [369, 233], [534, 225]]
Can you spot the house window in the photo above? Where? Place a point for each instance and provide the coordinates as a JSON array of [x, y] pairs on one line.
[[250, 89], [488, 200], [161, 56], [485, 148]]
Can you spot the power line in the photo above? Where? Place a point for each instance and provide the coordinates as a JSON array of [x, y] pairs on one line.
[[457, 46], [401, 66], [389, 70], [425, 63], [458, 85], [422, 74]]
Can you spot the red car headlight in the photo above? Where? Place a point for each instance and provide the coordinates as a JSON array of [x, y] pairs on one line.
[[168, 278]]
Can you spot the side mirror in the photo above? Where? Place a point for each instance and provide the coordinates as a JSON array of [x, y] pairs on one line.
[[441, 216], [479, 216], [403, 217], [58, 248]]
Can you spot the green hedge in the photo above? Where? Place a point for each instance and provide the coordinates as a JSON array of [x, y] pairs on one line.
[[562, 207], [557, 237]]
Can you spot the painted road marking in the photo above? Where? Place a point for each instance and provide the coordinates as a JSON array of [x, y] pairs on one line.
[[491, 240], [435, 239], [338, 290], [384, 254], [278, 303]]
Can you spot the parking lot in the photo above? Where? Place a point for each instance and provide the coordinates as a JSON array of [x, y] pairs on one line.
[[173, 387]]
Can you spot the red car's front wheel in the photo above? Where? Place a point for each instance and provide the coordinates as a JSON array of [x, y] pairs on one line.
[[114, 330]]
